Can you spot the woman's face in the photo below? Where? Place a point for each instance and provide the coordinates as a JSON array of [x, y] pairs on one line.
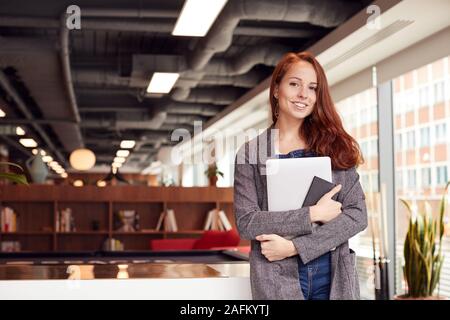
[[296, 92]]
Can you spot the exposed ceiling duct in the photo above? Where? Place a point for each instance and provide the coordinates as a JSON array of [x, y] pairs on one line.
[[220, 36]]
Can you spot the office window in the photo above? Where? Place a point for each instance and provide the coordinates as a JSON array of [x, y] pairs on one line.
[[425, 174], [441, 175], [412, 183], [425, 137], [399, 179], [439, 91], [360, 118], [423, 96], [426, 177], [410, 140], [441, 132]]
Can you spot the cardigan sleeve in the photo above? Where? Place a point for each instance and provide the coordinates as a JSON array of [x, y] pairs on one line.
[[251, 221], [351, 221]]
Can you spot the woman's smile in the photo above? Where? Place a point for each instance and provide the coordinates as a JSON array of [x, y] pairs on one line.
[[299, 106]]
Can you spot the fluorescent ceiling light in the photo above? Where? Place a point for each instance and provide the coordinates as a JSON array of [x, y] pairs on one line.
[[29, 143], [127, 144], [162, 82], [20, 131], [116, 165], [2, 113], [119, 160], [197, 16], [122, 153]]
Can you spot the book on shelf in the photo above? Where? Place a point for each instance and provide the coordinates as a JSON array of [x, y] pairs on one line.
[[217, 220], [10, 246], [167, 221], [113, 245], [127, 221], [65, 221], [8, 220]]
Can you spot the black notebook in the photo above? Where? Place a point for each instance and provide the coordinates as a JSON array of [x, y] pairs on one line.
[[317, 189]]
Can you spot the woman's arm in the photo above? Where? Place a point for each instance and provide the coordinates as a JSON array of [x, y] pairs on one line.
[[351, 221], [250, 220]]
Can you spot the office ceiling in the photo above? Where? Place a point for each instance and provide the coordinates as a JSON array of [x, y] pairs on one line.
[[87, 87]]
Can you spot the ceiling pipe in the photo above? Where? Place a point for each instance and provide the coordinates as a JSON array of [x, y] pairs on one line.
[[277, 32], [207, 110], [65, 61], [220, 96], [130, 13], [146, 26], [31, 121], [105, 78], [132, 121]]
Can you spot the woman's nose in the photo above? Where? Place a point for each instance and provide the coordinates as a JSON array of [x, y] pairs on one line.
[[302, 92]]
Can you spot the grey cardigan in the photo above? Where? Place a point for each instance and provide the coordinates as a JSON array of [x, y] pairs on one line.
[[280, 279]]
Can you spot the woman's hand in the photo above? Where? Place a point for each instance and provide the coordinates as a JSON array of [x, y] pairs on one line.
[[326, 208], [275, 248]]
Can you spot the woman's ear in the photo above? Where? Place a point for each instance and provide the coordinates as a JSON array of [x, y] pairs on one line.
[[275, 92]]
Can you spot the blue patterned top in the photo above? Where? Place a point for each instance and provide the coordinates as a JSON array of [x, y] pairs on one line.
[[299, 153]]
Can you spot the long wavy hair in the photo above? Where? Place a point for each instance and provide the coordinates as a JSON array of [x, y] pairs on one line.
[[322, 129]]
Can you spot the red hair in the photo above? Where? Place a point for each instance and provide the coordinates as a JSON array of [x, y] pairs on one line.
[[322, 129]]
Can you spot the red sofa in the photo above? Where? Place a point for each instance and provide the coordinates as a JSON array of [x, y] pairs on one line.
[[210, 239]]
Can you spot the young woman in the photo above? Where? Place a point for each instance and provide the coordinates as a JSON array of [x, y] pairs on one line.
[[302, 253]]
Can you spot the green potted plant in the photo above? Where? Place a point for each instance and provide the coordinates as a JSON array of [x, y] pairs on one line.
[[423, 259], [212, 172], [11, 176]]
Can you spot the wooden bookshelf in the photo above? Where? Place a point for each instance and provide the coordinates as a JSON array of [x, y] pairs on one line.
[[38, 206]]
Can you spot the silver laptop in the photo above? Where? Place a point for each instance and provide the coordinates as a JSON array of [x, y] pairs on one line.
[[288, 180]]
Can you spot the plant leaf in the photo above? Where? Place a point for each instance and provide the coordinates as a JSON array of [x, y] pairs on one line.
[[17, 178]]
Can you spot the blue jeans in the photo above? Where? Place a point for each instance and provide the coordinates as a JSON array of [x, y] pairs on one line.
[[315, 278]]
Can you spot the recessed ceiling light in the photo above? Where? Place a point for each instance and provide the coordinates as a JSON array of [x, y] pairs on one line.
[[116, 165], [127, 144], [28, 142], [162, 82], [119, 160], [64, 175], [53, 164], [197, 16], [2, 113], [43, 153], [20, 131], [122, 153], [47, 159], [35, 151]]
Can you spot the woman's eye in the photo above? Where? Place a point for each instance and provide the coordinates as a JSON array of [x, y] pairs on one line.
[[313, 88], [293, 84]]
